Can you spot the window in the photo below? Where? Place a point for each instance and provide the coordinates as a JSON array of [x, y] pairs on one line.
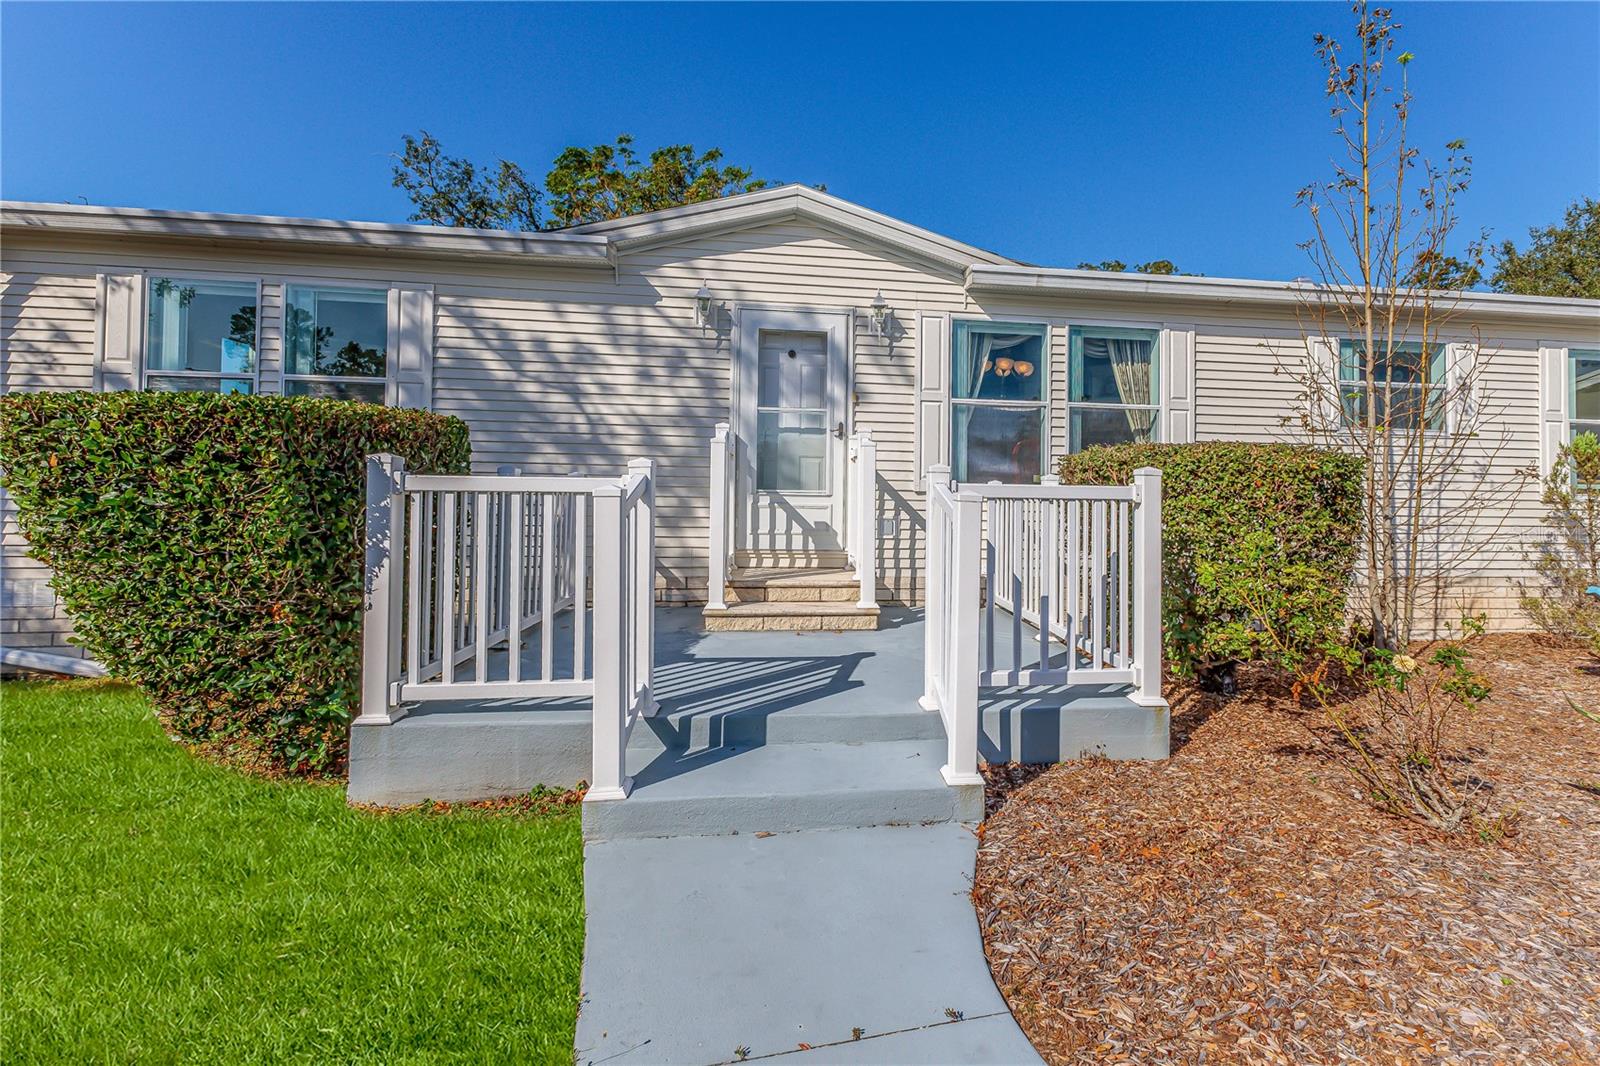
[[1583, 396], [997, 401], [1112, 395], [336, 343], [201, 336], [1415, 385]]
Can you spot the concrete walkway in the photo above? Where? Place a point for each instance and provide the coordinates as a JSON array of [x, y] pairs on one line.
[[702, 948]]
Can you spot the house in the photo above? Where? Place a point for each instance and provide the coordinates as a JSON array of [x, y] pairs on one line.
[[795, 317]]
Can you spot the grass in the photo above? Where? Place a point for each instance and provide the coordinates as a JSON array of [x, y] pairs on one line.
[[154, 907]]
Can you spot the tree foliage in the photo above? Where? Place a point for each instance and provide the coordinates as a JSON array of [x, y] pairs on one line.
[[1561, 260], [583, 185], [1154, 266]]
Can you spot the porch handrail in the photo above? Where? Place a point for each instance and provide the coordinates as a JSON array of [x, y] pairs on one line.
[[461, 569], [720, 528], [1080, 565], [861, 515]]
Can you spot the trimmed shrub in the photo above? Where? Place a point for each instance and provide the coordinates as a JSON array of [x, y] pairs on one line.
[[208, 548], [1250, 531]]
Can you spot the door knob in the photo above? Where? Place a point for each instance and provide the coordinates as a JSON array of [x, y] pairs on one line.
[[838, 431]]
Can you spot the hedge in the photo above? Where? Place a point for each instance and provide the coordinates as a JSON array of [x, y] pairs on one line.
[[1251, 532], [208, 548]]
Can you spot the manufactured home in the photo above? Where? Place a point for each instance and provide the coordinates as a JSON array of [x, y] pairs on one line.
[[701, 431], [803, 323]]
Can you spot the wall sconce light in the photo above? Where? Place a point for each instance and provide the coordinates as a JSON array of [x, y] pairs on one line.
[[705, 308], [881, 318]]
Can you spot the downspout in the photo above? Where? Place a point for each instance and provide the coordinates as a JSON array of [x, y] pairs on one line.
[[51, 664]]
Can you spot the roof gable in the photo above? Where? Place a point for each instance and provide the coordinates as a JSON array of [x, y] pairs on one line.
[[781, 204]]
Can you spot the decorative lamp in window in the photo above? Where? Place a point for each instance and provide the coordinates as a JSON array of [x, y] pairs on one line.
[[1407, 383], [201, 336], [1112, 386], [336, 343], [998, 398], [1583, 395]]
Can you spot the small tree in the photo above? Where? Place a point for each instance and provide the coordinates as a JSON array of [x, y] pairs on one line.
[[1377, 380], [1567, 560]]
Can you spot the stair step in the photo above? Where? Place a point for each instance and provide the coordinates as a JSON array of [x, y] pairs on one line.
[[789, 616], [785, 788]]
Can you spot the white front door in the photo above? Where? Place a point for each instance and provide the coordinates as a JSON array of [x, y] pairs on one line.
[[791, 389]]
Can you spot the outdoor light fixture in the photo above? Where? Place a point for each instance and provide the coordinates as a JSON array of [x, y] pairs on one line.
[[881, 316], [705, 308]]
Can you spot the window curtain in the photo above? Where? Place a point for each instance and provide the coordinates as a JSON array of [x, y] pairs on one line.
[[1131, 364]]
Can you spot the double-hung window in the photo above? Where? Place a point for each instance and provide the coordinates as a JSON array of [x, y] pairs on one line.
[[1112, 386], [201, 336], [1583, 391], [1411, 375], [998, 397], [336, 343]]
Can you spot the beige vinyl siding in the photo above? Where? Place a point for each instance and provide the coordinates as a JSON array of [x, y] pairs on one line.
[[594, 371], [47, 340], [561, 369]]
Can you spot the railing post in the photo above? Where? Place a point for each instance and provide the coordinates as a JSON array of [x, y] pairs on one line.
[[644, 527], [1147, 585], [961, 765], [867, 520], [609, 780], [935, 615], [717, 562], [385, 559]]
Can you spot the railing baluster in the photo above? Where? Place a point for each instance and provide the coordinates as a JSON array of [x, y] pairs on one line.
[[414, 587], [446, 599], [514, 589], [481, 593], [547, 587]]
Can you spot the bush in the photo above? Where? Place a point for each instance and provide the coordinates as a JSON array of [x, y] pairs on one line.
[[1250, 531], [208, 548]]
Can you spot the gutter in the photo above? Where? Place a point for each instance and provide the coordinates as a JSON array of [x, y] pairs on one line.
[[51, 664]]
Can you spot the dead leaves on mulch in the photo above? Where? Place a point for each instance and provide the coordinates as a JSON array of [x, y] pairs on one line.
[[1240, 902]]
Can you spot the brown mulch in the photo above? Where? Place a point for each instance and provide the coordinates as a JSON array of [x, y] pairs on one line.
[[1241, 902], [542, 800]]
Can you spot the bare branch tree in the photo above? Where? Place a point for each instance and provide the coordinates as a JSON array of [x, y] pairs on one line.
[[1379, 378]]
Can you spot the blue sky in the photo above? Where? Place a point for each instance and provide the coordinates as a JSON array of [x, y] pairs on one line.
[[1053, 134]]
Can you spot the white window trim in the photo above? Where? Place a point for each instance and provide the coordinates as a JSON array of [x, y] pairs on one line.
[[1456, 356], [390, 341], [1046, 382], [145, 373], [1159, 360]]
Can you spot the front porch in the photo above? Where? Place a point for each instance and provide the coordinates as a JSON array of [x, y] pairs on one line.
[[757, 731]]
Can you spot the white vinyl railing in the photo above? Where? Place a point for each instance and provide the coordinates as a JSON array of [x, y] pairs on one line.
[[861, 515], [720, 538], [1045, 584], [464, 571]]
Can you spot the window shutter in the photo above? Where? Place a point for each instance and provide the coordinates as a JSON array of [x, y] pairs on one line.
[[1177, 385], [1461, 387], [1323, 354], [933, 393], [411, 333], [1552, 404], [119, 337]]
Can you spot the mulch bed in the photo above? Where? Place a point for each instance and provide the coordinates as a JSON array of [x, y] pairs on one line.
[[1241, 902]]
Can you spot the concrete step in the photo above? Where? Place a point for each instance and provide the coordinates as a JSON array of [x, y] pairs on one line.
[[791, 616], [782, 585], [816, 722], [785, 788]]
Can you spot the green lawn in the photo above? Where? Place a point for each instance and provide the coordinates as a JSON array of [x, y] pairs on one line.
[[154, 907]]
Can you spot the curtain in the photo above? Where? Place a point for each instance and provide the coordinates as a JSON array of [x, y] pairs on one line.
[[1131, 364]]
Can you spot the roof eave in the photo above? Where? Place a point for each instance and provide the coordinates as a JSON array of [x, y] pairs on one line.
[[1068, 283], [410, 240]]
